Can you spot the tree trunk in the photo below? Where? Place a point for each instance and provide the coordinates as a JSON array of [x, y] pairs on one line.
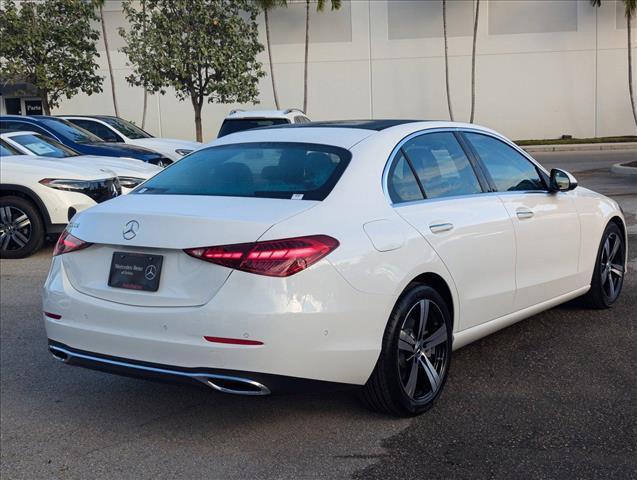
[[267, 41], [307, 45], [46, 107], [630, 67], [197, 105], [444, 31], [145, 107], [473, 62], [108, 60]]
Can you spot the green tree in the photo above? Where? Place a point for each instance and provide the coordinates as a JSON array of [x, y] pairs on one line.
[[320, 6], [52, 46], [473, 61], [630, 11], [203, 49], [266, 6], [444, 33]]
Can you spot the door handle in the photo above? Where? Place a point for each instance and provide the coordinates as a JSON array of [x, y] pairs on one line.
[[523, 213], [440, 227]]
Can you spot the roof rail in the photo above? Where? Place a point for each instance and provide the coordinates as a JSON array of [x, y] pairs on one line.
[[290, 110], [236, 110]]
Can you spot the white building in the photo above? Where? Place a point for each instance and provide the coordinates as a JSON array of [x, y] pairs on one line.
[[544, 67]]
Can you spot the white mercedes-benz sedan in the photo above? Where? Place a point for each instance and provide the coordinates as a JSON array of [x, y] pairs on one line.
[[328, 254]]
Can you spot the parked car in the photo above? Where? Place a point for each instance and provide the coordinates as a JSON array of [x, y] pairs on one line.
[[114, 129], [39, 195], [240, 120], [130, 172], [79, 139], [348, 253]]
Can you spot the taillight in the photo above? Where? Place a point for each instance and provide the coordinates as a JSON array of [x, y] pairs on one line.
[[68, 243], [275, 258]]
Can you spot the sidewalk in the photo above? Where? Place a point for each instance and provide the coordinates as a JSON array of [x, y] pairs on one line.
[[574, 147]]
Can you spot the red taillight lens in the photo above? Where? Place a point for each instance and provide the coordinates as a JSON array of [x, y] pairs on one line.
[[275, 258], [68, 243]]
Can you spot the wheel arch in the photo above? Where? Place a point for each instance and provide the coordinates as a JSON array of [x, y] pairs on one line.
[[30, 195], [441, 286]]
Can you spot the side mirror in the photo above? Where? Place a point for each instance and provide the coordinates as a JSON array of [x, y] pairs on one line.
[[562, 181]]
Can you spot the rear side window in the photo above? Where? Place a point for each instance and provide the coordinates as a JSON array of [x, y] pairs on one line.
[[402, 184], [233, 125], [298, 171], [509, 169], [441, 165]]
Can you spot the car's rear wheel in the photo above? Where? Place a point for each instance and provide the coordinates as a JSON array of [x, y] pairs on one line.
[[608, 274], [416, 353], [21, 228]]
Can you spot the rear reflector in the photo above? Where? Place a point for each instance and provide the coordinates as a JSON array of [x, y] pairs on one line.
[[274, 258], [54, 316], [68, 243], [233, 341]]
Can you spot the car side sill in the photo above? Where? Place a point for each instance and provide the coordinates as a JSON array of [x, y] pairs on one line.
[[465, 337]]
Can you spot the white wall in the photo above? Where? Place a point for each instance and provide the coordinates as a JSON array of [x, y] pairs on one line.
[[564, 71]]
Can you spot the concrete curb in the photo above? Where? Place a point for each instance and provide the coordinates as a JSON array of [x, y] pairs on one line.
[[581, 147], [620, 169]]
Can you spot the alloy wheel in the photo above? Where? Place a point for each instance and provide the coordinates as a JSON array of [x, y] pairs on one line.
[[15, 228], [612, 266], [423, 351]]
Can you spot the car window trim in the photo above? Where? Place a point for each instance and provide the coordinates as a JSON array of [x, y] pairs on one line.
[[399, 149], [486, 183], [413, 172]]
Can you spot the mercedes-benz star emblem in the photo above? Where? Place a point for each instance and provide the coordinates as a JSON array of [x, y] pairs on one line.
[[151, 272], [130, 230]]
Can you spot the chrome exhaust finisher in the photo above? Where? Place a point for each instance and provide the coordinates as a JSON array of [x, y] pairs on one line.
[[221, 383]]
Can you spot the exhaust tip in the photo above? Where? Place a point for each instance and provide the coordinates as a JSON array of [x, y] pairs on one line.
[[59, 355], [237, 386]]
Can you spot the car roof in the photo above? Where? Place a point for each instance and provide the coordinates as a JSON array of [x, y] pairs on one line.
[[15, 133], [98, 117], [344, 134], [287, 113]]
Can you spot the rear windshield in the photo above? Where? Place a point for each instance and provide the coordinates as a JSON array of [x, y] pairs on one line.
[[239, 124], [43, 146], [298, 171]]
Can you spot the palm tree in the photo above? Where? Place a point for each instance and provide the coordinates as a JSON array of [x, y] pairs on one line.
[[473, 62], [444, 32], [630, 10], [100, 5], [320, 6], [267, 5]]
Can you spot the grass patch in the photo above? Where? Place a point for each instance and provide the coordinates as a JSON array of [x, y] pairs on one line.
[[571, 141]]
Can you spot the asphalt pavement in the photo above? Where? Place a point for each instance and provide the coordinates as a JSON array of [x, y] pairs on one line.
[[554, 396]]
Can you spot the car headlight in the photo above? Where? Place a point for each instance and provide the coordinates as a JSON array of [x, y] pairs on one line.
[[98, 190], [130, 182], [183, 151]]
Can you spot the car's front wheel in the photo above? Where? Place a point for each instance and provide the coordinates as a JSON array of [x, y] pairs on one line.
[[21, 228], [416, 353], [608, 274]]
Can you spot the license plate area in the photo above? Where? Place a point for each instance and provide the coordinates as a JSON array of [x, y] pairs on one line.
[[135, 271]]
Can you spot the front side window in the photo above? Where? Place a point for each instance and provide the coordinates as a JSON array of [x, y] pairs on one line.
[[297, 171], [441, 165], [67, 130], [44, 147], [126, 128], [509, 169]]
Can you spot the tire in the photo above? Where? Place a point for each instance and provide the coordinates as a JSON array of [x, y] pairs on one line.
[[21, 228], [392, 387], [608, 274]]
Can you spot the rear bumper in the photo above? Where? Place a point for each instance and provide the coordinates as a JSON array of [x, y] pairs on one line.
[[225, 381], [313, 326]]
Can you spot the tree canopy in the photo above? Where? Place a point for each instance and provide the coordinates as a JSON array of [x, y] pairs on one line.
[[203, 49], [50, 45]]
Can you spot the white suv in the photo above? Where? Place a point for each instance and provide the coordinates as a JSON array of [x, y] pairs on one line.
[[240, 120]]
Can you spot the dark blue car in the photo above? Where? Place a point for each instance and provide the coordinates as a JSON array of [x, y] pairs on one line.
[[79, 139]]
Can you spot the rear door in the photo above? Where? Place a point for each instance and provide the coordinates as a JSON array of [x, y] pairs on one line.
[[435, 187], [546, 224]]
